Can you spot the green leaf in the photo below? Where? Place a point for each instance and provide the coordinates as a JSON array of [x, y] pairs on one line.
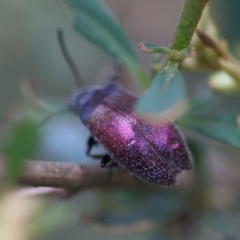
[[95, 21], [98, 17], [166, 95], [21, 144], [220, 127]]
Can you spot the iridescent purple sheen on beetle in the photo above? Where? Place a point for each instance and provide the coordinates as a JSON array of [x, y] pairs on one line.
[[153, 152]]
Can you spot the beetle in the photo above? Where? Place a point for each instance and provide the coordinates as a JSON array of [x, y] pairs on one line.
[[151, 151]]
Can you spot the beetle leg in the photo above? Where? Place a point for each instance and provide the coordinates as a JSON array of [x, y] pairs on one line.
[[90, 144], [107, 162]]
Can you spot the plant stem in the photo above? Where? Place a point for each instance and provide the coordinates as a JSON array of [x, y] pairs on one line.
[[187, 23]]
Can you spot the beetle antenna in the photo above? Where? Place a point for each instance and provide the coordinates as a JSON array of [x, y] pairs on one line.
[[61, 111], [68, 58]]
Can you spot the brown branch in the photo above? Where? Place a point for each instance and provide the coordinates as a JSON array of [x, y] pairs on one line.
[[72, 177]]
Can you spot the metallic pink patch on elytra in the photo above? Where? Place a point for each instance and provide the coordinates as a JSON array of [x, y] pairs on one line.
[[124, 128]]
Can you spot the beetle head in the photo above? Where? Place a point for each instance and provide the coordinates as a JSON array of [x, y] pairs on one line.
[[81, 97]]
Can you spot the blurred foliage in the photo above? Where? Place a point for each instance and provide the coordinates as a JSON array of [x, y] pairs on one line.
[[21, 145], [17, 215], [223, 127], [228, 22], [125, 207], [200, 208], [203, 118], [24, 217]]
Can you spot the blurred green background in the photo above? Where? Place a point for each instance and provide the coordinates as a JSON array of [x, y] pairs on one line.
[[29, 49]]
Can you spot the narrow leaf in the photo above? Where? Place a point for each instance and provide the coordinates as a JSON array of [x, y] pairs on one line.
[[102, 20], [95, 21], [220, 127], [166, 96]]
